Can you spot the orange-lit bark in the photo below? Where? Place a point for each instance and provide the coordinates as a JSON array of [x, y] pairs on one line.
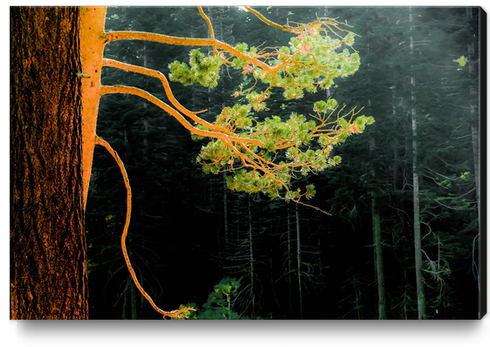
[[183, 41], [332, 24], [48, 274], [52, 146], [92, 40], [174, 313], [169, 94], [242, 146], [92, 23]]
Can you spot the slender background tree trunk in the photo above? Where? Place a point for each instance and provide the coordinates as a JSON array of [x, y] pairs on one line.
[[378, 247], [298, 253], [48, 248], [378, 251], [416, 203], [252, 260]]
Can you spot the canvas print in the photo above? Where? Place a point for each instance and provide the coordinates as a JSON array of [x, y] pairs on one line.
[[247, 163]]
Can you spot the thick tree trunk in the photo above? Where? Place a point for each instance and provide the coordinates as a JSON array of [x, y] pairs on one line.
[[92, 32], [48, 248]]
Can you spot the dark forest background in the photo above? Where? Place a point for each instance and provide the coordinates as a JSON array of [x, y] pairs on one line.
[[189, 233]]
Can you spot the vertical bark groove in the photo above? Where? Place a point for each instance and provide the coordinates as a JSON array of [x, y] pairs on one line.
[[47, 220]]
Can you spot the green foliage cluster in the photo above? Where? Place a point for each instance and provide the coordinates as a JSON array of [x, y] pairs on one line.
[[211, 223], [203, 69], [219, 305], [312, 61]]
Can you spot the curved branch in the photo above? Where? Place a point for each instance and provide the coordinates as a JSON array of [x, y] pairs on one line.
[[166, 86], [210, 26], [120, 89], [208, 21], [175, 313], [225, 138], [328, 22], [267, 21], [182, 41]]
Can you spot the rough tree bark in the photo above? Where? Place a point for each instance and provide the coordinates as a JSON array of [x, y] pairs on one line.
[[51, 158], [48, 275]]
